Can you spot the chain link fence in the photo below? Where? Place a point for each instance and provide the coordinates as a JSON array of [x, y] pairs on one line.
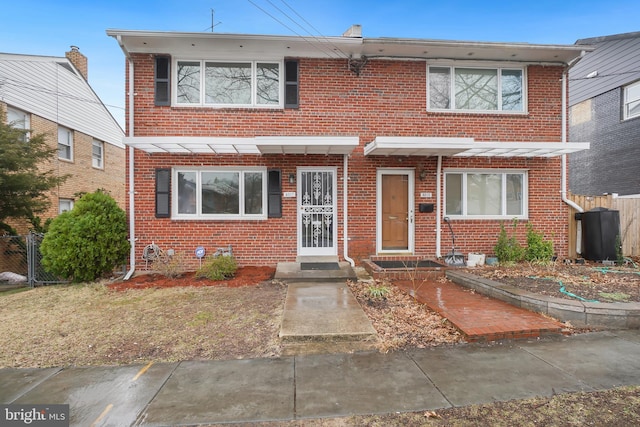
[[21, 261]]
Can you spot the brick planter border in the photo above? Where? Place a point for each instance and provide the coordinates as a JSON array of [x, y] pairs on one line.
[[578, 313]]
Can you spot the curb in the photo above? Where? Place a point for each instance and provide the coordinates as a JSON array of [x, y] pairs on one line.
[[578, 313]]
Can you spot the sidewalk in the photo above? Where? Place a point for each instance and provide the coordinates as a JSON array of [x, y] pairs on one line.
[[330, 385]]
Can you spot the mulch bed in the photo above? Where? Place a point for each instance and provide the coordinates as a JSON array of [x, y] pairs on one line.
[[245, 276], [590, 282]]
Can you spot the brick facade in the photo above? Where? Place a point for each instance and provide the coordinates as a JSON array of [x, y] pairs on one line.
[[388, 98], [84, 178]]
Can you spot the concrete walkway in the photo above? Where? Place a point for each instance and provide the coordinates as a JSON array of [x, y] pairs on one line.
[[329, 385]]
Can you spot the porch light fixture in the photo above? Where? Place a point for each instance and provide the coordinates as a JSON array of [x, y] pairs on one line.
[[422, 174], [292, 178]]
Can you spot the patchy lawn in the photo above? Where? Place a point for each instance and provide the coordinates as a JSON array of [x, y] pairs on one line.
[[152, 318]]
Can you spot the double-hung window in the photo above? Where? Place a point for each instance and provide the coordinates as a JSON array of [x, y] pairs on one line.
[[220, 193], [19, 120], [476, 89], [632, 101], [491, 194], [229, 84], [65, 143], [97, 154]]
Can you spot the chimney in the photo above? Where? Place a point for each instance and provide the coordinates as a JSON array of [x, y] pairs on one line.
[[354, 31], [79, 61]]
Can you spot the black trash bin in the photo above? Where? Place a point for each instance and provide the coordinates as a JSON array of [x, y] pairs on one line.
[[600, 231]]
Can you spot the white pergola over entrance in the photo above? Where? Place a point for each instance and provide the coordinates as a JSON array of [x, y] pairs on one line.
[[326, 145], [467, 147]]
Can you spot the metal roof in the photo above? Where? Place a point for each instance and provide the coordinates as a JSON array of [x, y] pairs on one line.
[[52, 88]]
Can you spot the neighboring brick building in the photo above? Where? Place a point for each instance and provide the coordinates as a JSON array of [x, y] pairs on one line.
[[51, 96], [604, 96], [246, 140]]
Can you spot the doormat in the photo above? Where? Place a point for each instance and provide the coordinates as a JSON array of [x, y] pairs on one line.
[[319, 266]]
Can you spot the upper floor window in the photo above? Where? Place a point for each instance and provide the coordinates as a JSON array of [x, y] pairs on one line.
[[97, 154], [19, 120], [486, 194], [220, 193], [229, 84], [65, 143], [476, 89], [632, 100]]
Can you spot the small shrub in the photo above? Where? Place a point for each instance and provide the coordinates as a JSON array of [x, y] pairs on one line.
[[378, 291], [538, 249], [170, 266], [507, 249], [218, 268]]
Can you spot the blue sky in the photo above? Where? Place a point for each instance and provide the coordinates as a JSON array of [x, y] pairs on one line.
[[50, 27]]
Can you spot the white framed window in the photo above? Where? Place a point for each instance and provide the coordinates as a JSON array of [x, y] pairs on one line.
[[20, 120], [468, 89], [65, 143], [486, 194], [65, 205], [220, 193], [229, 83], [97, 154], [632, 100]]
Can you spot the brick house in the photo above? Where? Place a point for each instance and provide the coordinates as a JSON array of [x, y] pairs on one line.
[[52, 96], [604, 101], [348, 147]]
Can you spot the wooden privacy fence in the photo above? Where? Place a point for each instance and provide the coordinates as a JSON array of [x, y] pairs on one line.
[[629, 211]]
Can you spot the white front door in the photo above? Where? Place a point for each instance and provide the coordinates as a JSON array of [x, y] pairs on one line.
[[317, 228]]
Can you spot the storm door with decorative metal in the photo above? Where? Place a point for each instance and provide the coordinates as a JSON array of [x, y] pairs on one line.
[[317, 213]]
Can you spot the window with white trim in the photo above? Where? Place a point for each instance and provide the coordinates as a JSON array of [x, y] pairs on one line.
[[97, 154], [229, 84], [485, 194], [476, 89], [220, 193], [65, 205], [632, 100], [18, 119], [65, 143]]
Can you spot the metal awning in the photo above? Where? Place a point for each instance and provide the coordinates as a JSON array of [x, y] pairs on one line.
[[258, 145], [467, 147]]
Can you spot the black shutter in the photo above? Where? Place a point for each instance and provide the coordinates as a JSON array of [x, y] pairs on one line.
[[162, 80], [291, 84], [274, 193], [163, 193]]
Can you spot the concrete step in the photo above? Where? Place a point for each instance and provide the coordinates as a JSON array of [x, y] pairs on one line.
[[292, 271], [326, 347]]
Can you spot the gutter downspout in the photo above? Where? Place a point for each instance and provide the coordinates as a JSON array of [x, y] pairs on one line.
[[563, 190], [438, 208], [345, 193], [132, 217]]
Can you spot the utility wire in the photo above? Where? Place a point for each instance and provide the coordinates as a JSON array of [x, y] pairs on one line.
[[323, 50], [42, 89], [326, 39]]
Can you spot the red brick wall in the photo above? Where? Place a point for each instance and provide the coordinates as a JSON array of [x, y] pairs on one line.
[[387, 99]]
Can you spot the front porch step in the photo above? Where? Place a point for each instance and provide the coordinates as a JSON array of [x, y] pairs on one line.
[[292, 271]]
